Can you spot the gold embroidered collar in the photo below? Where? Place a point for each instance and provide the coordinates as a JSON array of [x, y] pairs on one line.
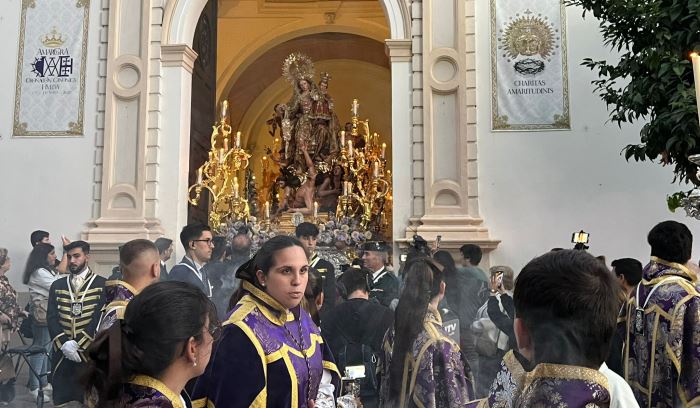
[[433, 316], [150, 382], [124, 284], [566, 372], [271, 308], [676, 270]]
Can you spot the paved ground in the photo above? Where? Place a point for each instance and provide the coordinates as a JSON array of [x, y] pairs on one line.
[[22, 397]]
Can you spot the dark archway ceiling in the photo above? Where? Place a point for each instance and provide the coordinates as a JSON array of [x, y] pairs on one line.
[[324, 46]]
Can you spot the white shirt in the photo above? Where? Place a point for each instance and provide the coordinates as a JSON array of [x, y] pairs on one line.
[[621, 395], [378, 274], [40, 282], [197, 266], [81, 275]]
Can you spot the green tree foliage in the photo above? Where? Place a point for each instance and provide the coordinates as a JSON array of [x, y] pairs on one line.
[[653, 80]]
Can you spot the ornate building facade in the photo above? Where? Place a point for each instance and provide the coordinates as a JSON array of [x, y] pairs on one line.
[[127, 176]]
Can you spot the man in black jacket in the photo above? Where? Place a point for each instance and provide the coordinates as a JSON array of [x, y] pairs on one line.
[[73, 312], [355, 329], [385, 285], [165, 250], [198, 243], [307, 233]]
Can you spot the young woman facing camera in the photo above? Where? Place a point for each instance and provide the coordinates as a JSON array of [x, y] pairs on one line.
[[271, 353]]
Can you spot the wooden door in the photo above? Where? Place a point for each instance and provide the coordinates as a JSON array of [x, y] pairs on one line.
[[203, 102]]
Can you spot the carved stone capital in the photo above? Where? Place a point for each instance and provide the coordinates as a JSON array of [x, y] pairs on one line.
[[178, 55], [398, 50]]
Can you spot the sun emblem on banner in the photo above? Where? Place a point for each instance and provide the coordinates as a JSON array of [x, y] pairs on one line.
[[530, 36]]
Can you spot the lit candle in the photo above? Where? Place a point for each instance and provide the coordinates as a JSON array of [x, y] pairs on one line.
[[224, 110], [350, 148], [355, 107], [342, 138], [238, 139], [376, 169], [315, 209], [235, 187], [226, 144], [277, 196], [383, 149], [199, 176], [267, 209], [210, 156], [696, 74]]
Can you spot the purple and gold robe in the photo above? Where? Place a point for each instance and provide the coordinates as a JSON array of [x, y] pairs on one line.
[[662, 354], [435, 373], [147, 392], [117, 296], [546, 386], [257, 362]]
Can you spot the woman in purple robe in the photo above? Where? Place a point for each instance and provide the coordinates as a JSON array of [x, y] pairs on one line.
[[422, 366], [146, 359], [271, 353]]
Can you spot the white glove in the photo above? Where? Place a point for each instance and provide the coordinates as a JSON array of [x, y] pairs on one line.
[[70, 350]]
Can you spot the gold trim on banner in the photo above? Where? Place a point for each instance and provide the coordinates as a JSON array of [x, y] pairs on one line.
[[72, 128], [499, 122]]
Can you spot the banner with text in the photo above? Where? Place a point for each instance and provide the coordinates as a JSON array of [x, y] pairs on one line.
[[529, 72], [50, 85]]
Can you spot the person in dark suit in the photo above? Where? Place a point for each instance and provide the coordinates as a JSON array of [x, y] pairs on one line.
[[73, 312], [165, 250], [307, 233], [198, 243], [385, 285], [354, 331]]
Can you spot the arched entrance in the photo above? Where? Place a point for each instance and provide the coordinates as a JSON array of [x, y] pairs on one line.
[[179, 23]]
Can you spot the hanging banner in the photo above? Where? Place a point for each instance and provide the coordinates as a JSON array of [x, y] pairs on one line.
[[50, 87], [529, 80]]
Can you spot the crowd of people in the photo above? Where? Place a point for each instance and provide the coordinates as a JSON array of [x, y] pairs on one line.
[[281, 327]]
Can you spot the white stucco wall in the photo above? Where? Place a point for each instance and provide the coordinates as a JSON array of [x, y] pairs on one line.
[[536, 188], [45, 183]]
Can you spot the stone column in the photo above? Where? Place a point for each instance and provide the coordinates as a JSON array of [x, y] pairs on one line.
[[448, 134], [124, 212], [178, 63], [399, 52]]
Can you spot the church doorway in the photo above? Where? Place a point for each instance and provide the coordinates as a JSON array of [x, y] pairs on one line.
[[349, 44]]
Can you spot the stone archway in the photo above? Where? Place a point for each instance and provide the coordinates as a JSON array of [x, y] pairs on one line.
[[179, 22]]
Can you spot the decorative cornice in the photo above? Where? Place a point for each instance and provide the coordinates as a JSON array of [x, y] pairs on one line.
[[398, 50], [178, 55]]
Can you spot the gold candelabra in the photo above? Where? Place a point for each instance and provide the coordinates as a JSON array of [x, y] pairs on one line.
[[219, 175], [366, 188]]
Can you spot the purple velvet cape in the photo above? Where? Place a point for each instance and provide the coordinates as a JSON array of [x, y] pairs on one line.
[[117, 296], [662, 365], [435, 373], [147, 392], [546, 386], [256, 364]]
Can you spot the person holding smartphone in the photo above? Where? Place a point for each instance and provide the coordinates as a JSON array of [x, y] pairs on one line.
[[499, 313], [501, 308]]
